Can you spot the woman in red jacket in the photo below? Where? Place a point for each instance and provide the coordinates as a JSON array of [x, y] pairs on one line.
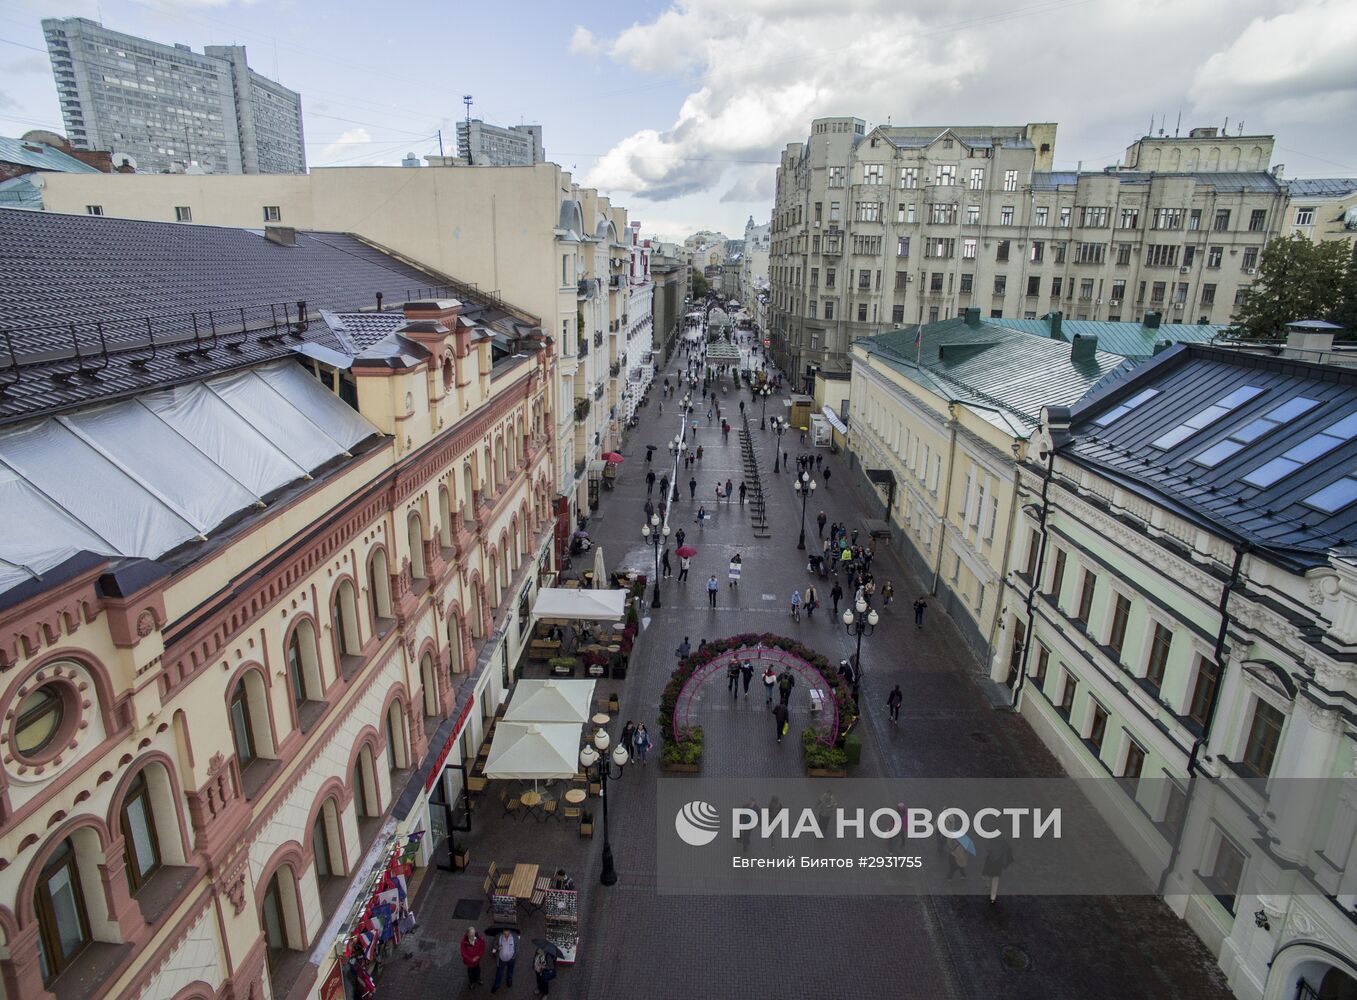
[[473, 950]]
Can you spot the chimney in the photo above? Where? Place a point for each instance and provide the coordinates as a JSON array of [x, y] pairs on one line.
[[1152, 320], [973, 317], [1055, 319], [1057, 421], [284, 236], [1083, 348], [1161, 345], [1310, 340]]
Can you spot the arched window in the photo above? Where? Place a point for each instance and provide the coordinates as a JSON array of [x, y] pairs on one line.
[[468, 494], [504, 574], [444, 517], [494, 580], [325, 844], [379, 587], [477, 610], [141, 843], [303, 672], [281, 917], [454, 646], [63, 920], [415, 533], [365, 785], [513, 546], [242, 726], [396, 756], [447, 373], [428, 679], [344, 618], [499, 461]]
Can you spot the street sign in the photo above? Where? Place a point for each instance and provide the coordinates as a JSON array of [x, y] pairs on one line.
[[767, 342]]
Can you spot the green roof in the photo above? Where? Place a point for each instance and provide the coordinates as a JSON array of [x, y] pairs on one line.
[[1006, 375], [1130, 340]]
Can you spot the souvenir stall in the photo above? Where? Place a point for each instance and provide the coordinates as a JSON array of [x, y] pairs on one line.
[[563, 923], [380, 917]]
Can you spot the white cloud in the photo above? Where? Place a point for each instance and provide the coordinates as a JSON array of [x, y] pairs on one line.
[[583, 42], [347, 146]]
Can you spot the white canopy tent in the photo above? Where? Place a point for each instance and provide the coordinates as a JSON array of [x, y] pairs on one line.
[[551, 701], [580, 605], [529, 751], [600, 574]]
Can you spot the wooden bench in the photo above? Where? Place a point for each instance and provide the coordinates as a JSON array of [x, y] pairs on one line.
[[817, 700]]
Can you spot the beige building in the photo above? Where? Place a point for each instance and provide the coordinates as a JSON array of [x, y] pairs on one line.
[[528, 234], [266, 593], [875, 228], [1323, 209]]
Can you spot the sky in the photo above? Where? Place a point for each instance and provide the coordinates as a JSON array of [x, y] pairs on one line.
[[679, 111]]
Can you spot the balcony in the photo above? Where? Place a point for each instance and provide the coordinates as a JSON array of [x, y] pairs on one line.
[[614, 368], [598, 391], [598, 338], [583, 346]]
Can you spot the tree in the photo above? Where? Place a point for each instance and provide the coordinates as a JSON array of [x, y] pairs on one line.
[[1346, 313], [700, 286], [1297, 279]]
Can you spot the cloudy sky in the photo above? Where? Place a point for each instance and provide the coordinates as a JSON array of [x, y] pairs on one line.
[[679, 110]]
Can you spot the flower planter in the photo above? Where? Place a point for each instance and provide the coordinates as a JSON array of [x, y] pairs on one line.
[[825, 772], [460, 856], [587, 830], [681, 768]]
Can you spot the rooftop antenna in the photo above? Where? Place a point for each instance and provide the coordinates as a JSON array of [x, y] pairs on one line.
[[466, 99], [1225, 129], [1178, 126], [1241, 129]]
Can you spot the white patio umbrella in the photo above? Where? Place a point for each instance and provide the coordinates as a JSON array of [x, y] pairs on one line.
[[599, 582], [530, 751], [551, 700]]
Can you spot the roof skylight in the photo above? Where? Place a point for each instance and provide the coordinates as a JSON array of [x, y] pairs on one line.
[[1335, 496], [1117, 412], [1207, 417], [1254, 429], [1313, 447]]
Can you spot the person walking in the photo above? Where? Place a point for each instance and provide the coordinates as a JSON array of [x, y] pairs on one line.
[[650, 481], [733, 677], [544, 969], [640, 739], [699, 453], [685, 647], [664, 565], [796, 605], [769, 682], [998, 856], [785, 683], [780, 715], [473, 950], [730, 489], [836, 595], [887, 593], [735, 565], [893, 701], [664, 485], [625, 740], [701, 517], [747, 675], [685, 563], [692, 488], [712, 588], [679, 536], [743, 488], [920, 605], [820, 523], [811, 599], [506, 950]]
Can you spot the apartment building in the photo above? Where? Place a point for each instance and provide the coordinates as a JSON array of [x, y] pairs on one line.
[[673, 291], [171, 109], [528, 235], [480, 144], [876, 228], [277, 547], [1323, 209], [1179, 619], [754, 263]]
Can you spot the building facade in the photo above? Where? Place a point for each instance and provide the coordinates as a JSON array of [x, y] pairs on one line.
[[1323, 209], [483, 145], [171, 109], [876, 228], [754, 263], [232, 686], [672, 280], [1179, 617]]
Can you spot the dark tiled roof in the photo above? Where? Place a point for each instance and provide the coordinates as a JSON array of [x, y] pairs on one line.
[[1191, 377], [1321, 187], [1233, 183]]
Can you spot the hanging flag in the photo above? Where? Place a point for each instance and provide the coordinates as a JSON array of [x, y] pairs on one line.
[[918, 336]]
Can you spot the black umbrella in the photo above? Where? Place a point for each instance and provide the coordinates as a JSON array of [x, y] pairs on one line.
[[494, 930], [548, 947]]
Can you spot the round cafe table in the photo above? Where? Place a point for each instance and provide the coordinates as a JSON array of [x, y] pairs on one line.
[[575, 796], [531, 799], [601, 719]]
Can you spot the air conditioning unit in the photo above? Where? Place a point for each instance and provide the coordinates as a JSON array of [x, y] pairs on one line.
[[1114, 302], [1100, 302], [817, 223], [1250, 270], [1184, 269]]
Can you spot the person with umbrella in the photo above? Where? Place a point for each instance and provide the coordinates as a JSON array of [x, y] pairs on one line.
[[544, 964], [735, 565], [998, 856]]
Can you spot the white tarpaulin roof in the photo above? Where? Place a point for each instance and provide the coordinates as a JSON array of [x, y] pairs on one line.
[[585, 605], [551, 701], [141, 476], [530, 750]]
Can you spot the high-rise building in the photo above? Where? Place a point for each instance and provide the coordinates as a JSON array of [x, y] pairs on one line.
[[483, 145], [170, 109]]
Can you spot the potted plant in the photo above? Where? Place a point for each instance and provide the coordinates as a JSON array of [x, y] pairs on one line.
[[684, 754], [460, 855], [586, 824], [822, 761], [563, 666], [614, 703]]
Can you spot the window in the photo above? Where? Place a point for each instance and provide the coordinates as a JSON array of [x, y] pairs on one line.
[[933, 314], [1160, 645], [1214, 256], [63, 924], [1093, 218], [1175, 809], [966, 282], [829, 308], [1257, 220], [869, 211], [945, 175], [833, 211], [1123, 254], [1194, 219], [1121, 614], [1167, 218], [1130, 218], [1161, 255], [1118, 290], [1057, 576], [935, 281], [1006, 215], [94, 209], [868, 245], [972, 215], [320, 848], [909, 213], [1000, 284], [1180, 292], [812, 306], [1086, 596], [242, 726], [942, 214], [1033, 550], [1090, 253], [1067, 695], [873, 173], [977, 178], [1227, 870], [39, 722], [1040, 215], [862, 312], [1313, 447], [1001, 251], [940, 247], [909, 177], [1208, 295], [897, 314], [1065, 212], [1222, 220], [182, 213], [1264, 735], [1056, 284], [1334, 497], [831, 275], [273, 213], [1203, 690], [1010, 180], [1134, 766], [141, 847], [1157, 292], [344, 619], [901, 280], [1205, 417], [968, 247], [1058, 250], [271, 916], [1043, 661], [814, 277], [864, 281], [1250, 259], [1241, 296], [1034, 285], [1097, 728], [819, 211], [836, 177]]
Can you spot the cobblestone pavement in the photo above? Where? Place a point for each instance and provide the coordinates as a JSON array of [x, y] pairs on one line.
[[637, 943]]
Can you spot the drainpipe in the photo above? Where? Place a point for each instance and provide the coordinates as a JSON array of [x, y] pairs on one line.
[[946, 499], [1008, 551], [1042, 516], [1193, 765]]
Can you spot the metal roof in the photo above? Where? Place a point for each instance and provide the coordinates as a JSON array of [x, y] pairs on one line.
[[41, 156], [1243, 181], [1130, 340], [1007, 375], [1200, 471], [1322, 187]]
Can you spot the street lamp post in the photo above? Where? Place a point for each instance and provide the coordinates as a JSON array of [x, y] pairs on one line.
[[609, 767], [860, 624], [764, 391], [805, 486], [779, 425], [654, 533]]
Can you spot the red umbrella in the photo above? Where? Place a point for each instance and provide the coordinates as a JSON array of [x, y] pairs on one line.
[[686, 551], [612, 456]]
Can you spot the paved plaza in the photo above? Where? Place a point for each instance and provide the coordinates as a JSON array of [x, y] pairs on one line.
[[636, 943]]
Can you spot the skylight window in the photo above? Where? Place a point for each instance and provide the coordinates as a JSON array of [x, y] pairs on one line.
[[1307, 451], [1117, 412], [1335, 496], [1207, 417], [1254, 429]]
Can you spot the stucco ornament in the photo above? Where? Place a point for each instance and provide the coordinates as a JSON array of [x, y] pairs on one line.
[[145, 624]]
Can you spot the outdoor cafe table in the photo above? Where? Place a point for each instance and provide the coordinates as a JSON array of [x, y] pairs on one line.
[[531, 800], [522, 881], [601, 719], [576, 795]]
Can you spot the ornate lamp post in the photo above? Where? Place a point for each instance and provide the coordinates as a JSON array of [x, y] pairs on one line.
[[805, 486], [860, 624], [609, 767], [779, 425], [655, 533], [764, 391]]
